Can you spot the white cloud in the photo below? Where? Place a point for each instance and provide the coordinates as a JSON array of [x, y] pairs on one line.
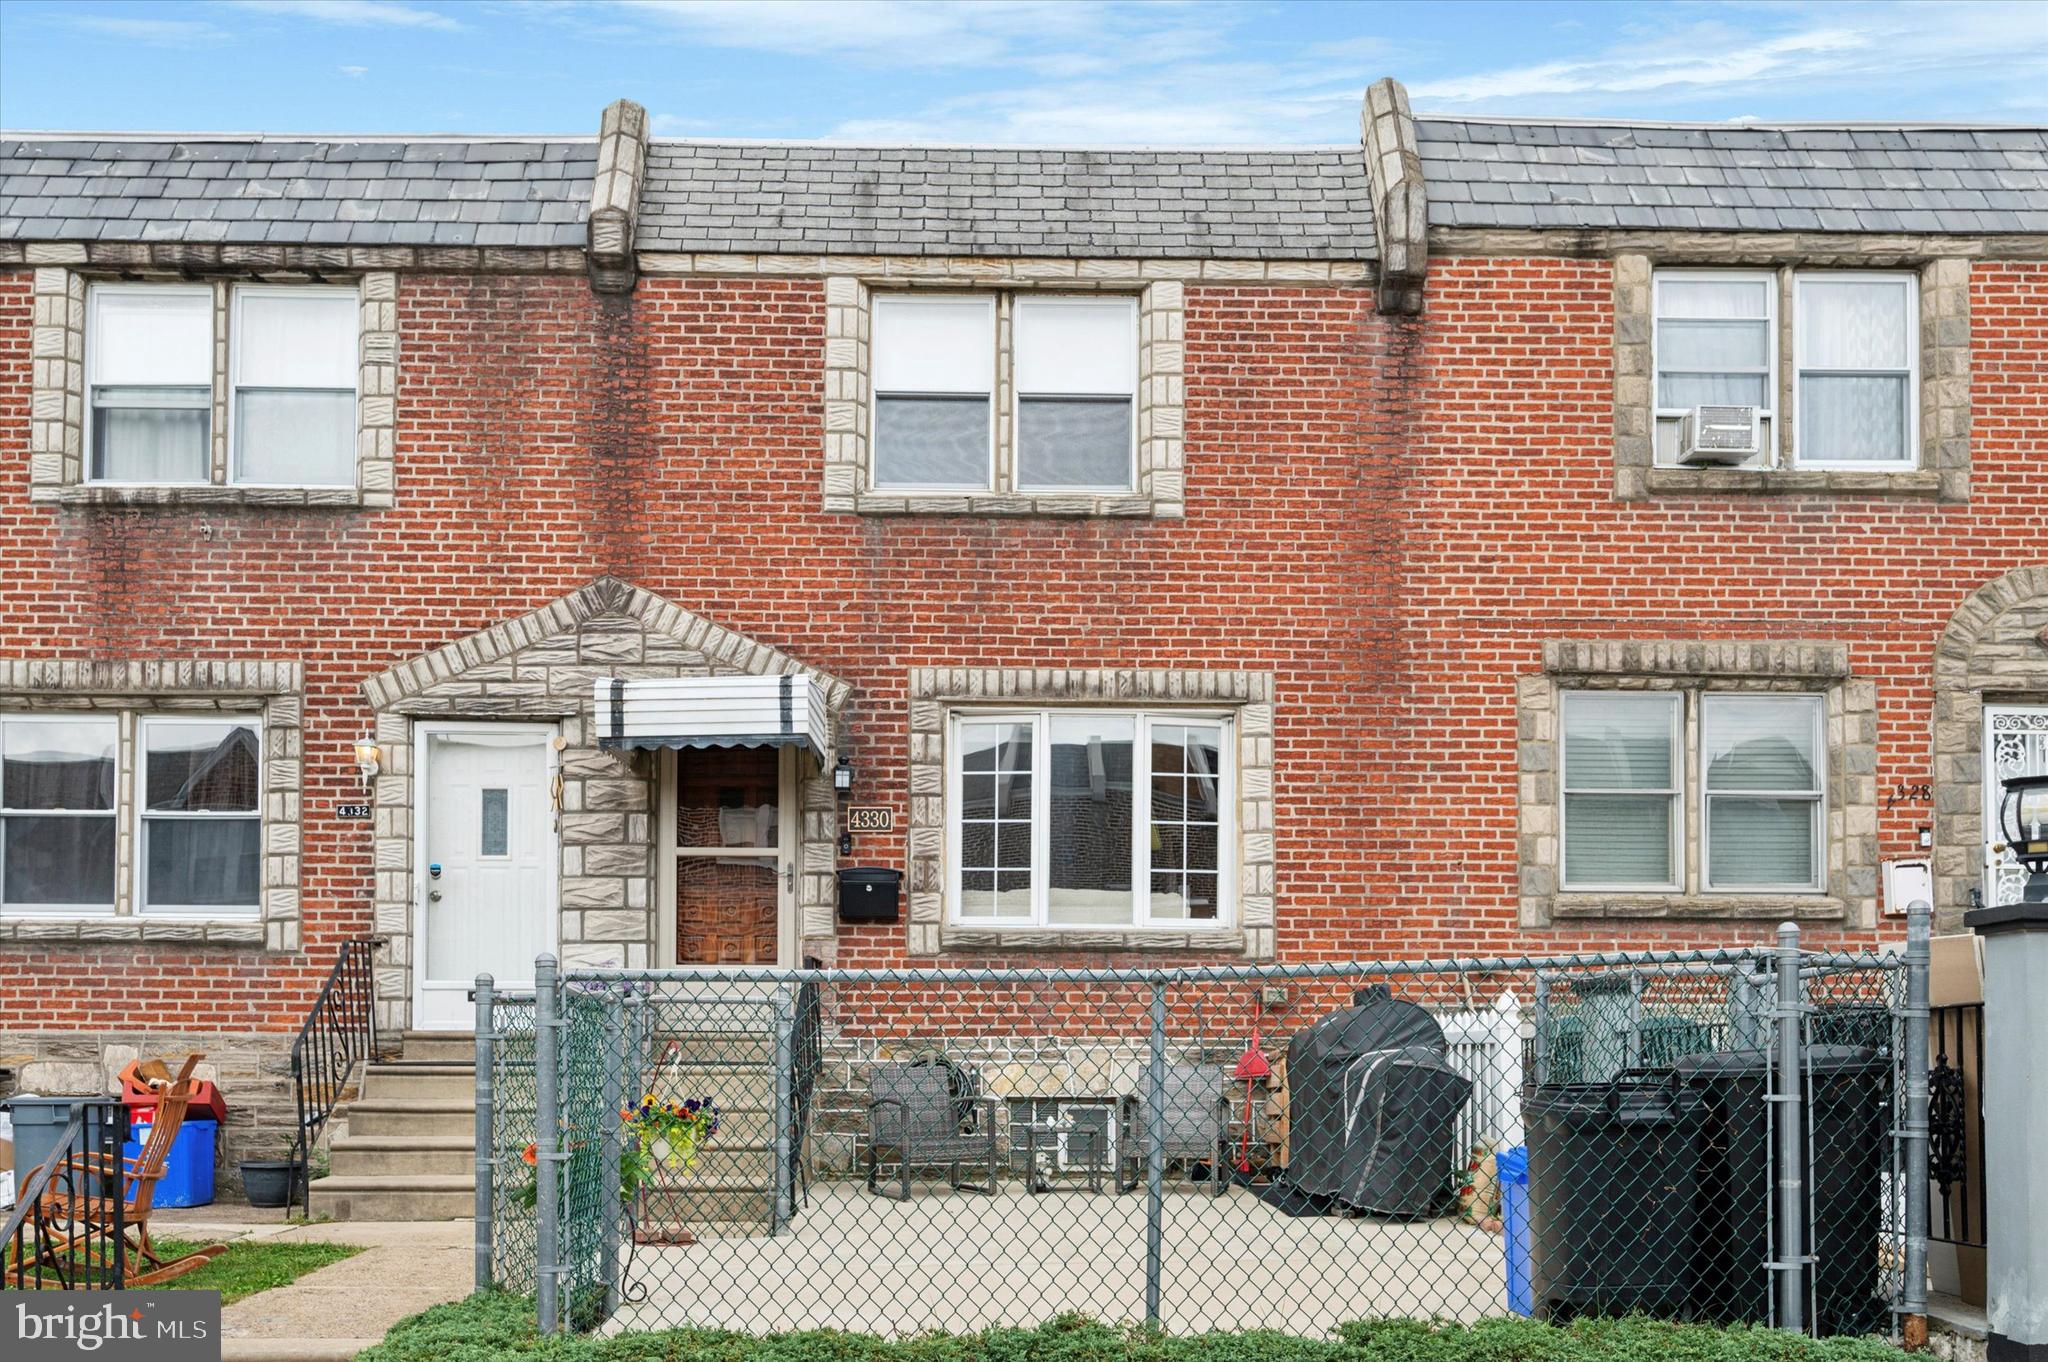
[[354, 72], [155, 32], [1877, 49], [354, 13]]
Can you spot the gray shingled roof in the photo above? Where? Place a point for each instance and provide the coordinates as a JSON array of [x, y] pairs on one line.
[[1663, 177], [1303, 203], [413, 192]]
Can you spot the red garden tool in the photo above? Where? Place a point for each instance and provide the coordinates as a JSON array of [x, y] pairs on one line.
[[1251, 1066]]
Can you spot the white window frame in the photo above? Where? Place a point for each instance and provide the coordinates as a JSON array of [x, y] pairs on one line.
[[1767, 415], [989, 302], [68, 910], [93, 293], [1130, 481], [1908, 284], [1040, 722], [234, 378], [139, 778], [1675, 794], [1817, 704]]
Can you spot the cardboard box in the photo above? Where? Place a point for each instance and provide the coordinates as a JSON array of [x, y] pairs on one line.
[[1955, 977]]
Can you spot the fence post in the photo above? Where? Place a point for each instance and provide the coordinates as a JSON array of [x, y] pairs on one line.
[[486, 1125], [782, 1208], [612, 1193], [1539, 1045], [1155, 1154], [1789, 1095], [547, 1137], [1913, 1123]]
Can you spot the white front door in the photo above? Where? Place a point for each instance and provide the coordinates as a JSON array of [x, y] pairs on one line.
[[485, 901], [2015, 744]]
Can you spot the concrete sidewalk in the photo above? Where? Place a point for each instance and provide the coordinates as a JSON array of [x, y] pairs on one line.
[[333, 1313]]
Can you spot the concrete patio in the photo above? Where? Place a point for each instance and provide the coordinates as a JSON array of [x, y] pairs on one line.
[[952, 1261]]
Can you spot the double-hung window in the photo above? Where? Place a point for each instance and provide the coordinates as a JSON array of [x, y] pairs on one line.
[[201, 816], [286, 377], [293, 353], [1004, 393], [1852, 383], [149, 359], [1623, 780], [1761, 762], [1090, 819], [1757, 761], [57, 813], [1856, 340]]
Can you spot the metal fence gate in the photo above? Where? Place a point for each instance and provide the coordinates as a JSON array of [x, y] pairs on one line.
[[1724, 1136]]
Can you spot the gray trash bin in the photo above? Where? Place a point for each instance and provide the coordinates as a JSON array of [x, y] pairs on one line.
[[40, 1121]]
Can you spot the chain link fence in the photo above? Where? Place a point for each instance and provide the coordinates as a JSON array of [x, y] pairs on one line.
[[1721, 1136]]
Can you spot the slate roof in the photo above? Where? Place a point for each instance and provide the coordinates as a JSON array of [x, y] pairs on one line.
[[250, 190], [1247, 203], [1507, 173]]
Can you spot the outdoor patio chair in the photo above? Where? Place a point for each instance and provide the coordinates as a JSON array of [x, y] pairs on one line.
[[1197, 1125], [924, 1115], [76, 1213]]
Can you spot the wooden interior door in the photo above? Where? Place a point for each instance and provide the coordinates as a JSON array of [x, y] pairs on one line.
[[732, 856]]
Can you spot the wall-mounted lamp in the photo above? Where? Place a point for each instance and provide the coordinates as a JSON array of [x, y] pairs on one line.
[[369, 760], [842, 776]]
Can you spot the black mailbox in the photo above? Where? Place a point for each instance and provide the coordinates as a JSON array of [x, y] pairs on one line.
[[869, 893]]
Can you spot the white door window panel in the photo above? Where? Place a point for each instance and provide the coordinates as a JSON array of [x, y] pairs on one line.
[[2015, 744]]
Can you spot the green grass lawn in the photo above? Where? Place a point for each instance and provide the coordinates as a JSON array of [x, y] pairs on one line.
[[496, 1327], [248, 1266]]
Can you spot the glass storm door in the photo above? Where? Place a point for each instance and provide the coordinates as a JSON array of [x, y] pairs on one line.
[[735, 868], [2015, 744], [486, 877]]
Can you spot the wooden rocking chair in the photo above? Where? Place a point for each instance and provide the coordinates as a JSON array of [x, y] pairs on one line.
[[75, 1219]]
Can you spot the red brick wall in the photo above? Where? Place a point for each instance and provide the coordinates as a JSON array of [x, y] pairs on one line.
[[1395, 554]]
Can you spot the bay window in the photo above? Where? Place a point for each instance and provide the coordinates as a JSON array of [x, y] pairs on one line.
[[57, 814], [1090, 819]]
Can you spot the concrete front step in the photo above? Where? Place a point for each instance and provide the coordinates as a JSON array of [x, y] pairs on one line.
[[442, 1047], [408, 1078], [395, 1197], [408, 1153], [413, 1116]]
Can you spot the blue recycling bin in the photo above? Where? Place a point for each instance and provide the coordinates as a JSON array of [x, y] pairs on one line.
[[1512, 1168], [188, 1168]]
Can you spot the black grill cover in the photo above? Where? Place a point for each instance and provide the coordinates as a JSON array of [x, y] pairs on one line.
[[1320, 1059], [1400, 1131]]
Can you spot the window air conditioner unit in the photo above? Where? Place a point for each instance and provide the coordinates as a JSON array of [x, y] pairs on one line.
[[1719, 435]]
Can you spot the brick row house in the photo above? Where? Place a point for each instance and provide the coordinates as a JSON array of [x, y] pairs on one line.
[[1488, 536]]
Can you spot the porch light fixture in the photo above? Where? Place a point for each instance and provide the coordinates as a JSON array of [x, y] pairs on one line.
[[369, 760], [842, 776], [2023, 822]]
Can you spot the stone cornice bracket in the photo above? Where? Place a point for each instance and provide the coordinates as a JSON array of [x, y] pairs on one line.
[[1400, 206], [615, 196]]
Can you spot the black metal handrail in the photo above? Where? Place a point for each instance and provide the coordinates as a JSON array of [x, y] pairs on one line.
[[1955, 1124], [339, 1032], [55, 1239]]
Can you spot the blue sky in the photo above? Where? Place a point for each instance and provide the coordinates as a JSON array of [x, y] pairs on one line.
[[1001, 70]]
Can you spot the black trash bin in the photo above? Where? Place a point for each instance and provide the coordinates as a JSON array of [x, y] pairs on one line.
[[1612, 1191], [1849, 1104]]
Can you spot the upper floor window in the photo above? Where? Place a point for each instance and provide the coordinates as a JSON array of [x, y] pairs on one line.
[[945, 365], [1721, 389], [1078, 819], [285, 379]]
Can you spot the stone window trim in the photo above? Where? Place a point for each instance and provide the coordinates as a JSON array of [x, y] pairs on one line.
[[1942, 472], [1993, 650], [934, 692], [539, 666], [1161, 409], [269, 691], [57, 404], [1736, 668]]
